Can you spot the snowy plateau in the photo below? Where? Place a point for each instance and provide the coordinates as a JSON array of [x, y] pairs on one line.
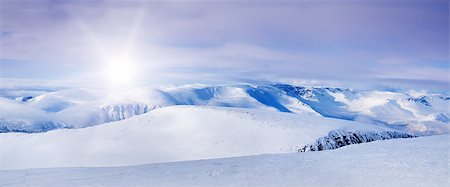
[[228, 135]]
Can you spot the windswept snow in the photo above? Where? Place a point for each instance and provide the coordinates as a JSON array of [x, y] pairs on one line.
[[173, 134], [401, 162], [184, 124], [398, 110], [77, 107]]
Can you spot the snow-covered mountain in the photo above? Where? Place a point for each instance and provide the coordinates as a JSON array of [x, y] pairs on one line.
[[423, 114], [401, 162], [81, 127], [76, 108], [180, 133]]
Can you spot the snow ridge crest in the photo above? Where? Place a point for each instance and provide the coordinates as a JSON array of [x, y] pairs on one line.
[[340, 138]]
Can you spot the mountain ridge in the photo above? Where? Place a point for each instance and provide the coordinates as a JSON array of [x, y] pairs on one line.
[[77, 108]]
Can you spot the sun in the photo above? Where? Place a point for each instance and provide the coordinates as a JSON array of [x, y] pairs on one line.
[[116, 56], [120, 72]]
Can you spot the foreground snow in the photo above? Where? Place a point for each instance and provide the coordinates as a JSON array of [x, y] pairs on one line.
[[179, 133], [413, 162]]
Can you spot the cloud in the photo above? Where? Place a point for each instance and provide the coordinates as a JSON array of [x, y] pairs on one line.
[[327, 40]]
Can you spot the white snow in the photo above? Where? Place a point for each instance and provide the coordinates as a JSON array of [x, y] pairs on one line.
[[397, 109], [413, 162], [78, 107], [172, 134], [172, 129]]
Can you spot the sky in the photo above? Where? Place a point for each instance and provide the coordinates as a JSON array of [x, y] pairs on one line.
[[358, 43]]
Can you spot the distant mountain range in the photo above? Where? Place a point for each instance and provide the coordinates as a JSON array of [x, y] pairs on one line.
[[39, 111]]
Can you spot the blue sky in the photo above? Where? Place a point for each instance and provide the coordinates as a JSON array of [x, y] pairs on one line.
[[379, 43]]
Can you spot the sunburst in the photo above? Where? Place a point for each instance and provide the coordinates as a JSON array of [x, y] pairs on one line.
[[118, 66]]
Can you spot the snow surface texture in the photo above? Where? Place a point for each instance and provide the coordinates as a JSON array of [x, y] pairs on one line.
[[156, 125], [174, 134], [402, 162], [41, 110]]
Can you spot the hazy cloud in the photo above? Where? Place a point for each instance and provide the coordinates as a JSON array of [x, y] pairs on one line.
[[328, 40]]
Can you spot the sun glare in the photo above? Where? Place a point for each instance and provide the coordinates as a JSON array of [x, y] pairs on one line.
[[120, 72], [117, 62]]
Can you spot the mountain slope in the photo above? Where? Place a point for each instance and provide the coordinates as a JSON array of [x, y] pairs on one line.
[[77, 108], [398, 110], [173, 134], [401, 162]]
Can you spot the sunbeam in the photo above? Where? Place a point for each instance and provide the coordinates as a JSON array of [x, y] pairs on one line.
[[118, 63]]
